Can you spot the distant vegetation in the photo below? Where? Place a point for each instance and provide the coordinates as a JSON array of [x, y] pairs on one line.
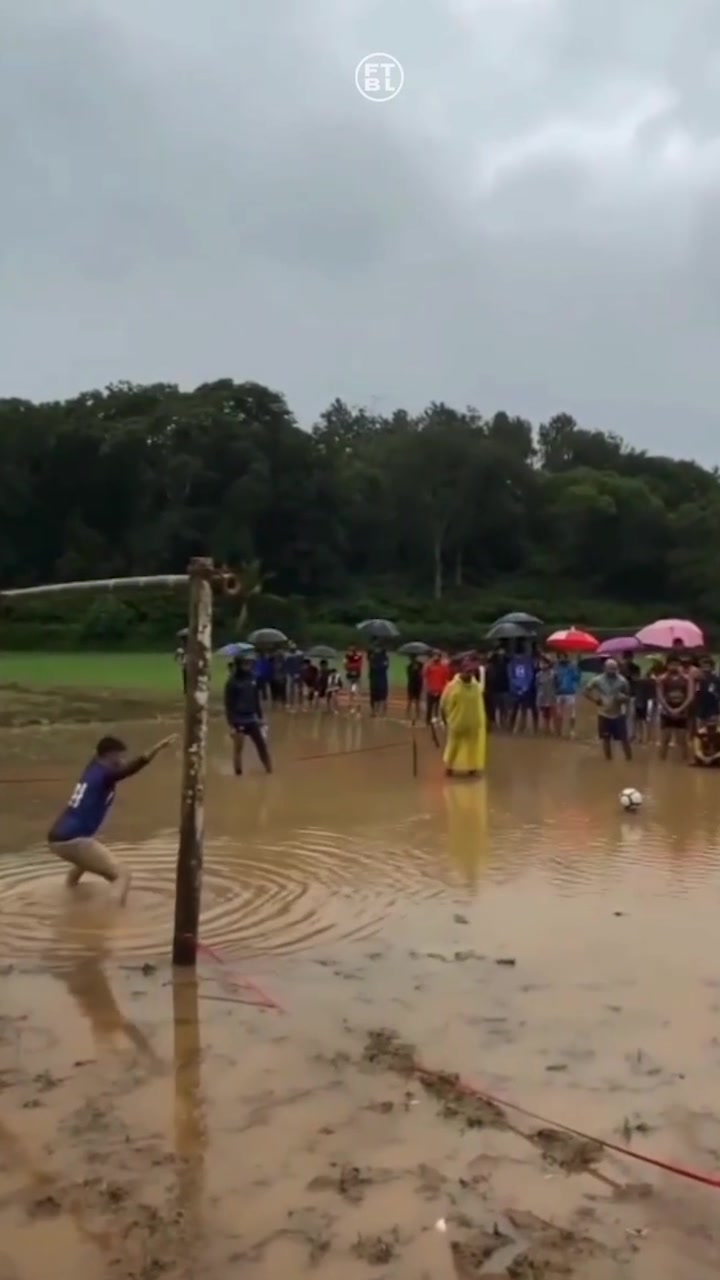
[[441, 521]]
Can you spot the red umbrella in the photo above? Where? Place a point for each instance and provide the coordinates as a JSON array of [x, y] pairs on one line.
[[573, 641]]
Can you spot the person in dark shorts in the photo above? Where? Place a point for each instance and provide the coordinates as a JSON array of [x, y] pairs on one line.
[[497, 688], [414, 684], [310, 677], [278, 680], [643, 695], [244, 715], [707, 692], [676, 694], [293, 674], [611, 694], [323, 680], [378, 680], [705, 733], [632, 672], [262, 672], [522, 676]]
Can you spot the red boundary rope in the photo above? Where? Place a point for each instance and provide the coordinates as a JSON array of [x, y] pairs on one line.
[[708, 1180], [320, 755], [263, 1000], [464, 1086]]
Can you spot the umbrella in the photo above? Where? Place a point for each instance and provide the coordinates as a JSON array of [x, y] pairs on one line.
[[527, 620], [237, 649], [268, 638], [573, 641], [619, 644], [415, 649], [504, 630], [378, 629], [322, 651], [667, 632], [182, 634]]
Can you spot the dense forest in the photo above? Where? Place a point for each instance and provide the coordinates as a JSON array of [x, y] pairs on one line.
[[440, 516]]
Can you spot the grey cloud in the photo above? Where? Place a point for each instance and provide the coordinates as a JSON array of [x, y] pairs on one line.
[[193, 191]]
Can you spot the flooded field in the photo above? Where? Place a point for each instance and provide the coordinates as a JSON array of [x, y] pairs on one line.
[[521, 932]]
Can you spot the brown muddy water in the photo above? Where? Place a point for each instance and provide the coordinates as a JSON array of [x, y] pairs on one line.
[[521, 931]]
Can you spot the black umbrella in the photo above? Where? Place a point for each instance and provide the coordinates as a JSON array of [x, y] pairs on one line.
[[268, 638], [378, 629], [415, 649], [526, 620], [322, 651], [504, 630]]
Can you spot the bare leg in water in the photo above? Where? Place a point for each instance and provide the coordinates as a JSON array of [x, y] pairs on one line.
[[257, 737]]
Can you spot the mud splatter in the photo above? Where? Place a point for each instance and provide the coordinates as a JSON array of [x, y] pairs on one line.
[[574, 1155]]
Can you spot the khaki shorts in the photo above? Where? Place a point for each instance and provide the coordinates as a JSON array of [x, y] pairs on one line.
[[87, 855]]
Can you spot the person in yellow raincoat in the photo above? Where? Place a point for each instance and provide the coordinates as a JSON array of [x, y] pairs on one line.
[[462, 707]]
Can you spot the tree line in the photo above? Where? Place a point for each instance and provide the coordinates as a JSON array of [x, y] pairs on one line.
[[429, 508]]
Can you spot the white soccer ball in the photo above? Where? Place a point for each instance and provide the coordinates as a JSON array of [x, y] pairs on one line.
[[630, 798]]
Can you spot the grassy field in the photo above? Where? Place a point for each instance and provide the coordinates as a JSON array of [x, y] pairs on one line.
[[147, 673]]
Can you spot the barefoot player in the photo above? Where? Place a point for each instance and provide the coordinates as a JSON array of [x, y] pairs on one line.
[[73, 836]]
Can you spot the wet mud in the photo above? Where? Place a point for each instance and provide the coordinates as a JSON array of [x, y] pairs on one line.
[[440, 952]]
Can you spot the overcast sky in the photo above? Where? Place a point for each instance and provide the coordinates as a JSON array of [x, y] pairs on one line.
[[194, 189]]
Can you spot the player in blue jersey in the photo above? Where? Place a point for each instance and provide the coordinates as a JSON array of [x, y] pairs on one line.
[[73, 834]]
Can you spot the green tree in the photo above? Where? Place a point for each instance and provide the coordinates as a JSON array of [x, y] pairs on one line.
[[412, 513]]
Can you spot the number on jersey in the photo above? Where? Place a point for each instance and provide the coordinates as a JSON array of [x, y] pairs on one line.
[[76, 798]]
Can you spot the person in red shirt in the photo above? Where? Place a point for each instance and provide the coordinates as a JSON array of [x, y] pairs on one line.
[[353, 676], [437, 674]]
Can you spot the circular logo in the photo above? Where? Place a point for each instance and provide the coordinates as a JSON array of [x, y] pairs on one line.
[[379, 77]]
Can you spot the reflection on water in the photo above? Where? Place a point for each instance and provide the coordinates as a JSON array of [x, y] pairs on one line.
[[190, 1116], [468, 836], [343, 842]]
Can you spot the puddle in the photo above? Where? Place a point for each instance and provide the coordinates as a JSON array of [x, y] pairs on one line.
[[520, 934]]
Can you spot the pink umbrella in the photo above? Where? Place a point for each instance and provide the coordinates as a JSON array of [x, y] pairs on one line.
[[573, 641], [619, 644], [667, 632]]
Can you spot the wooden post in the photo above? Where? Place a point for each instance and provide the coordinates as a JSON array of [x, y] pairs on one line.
[[188, 880]]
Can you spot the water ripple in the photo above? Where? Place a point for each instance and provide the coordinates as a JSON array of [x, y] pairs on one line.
[[266, 898]]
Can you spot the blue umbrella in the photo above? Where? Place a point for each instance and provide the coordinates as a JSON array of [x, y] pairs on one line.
[[237, 649]]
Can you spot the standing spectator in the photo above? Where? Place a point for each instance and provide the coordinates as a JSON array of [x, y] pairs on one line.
[[497, 689], [631, 671], [414, 679], [262, 673], [436, 676], [293, 676], [611, 694], [310, 677], [378, 665], [181, 657], [353, 676], [523, 689], [278, 680], [546, 695], [567, 683]]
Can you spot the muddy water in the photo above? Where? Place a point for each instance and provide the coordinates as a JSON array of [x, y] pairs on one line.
[[521, 931]]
